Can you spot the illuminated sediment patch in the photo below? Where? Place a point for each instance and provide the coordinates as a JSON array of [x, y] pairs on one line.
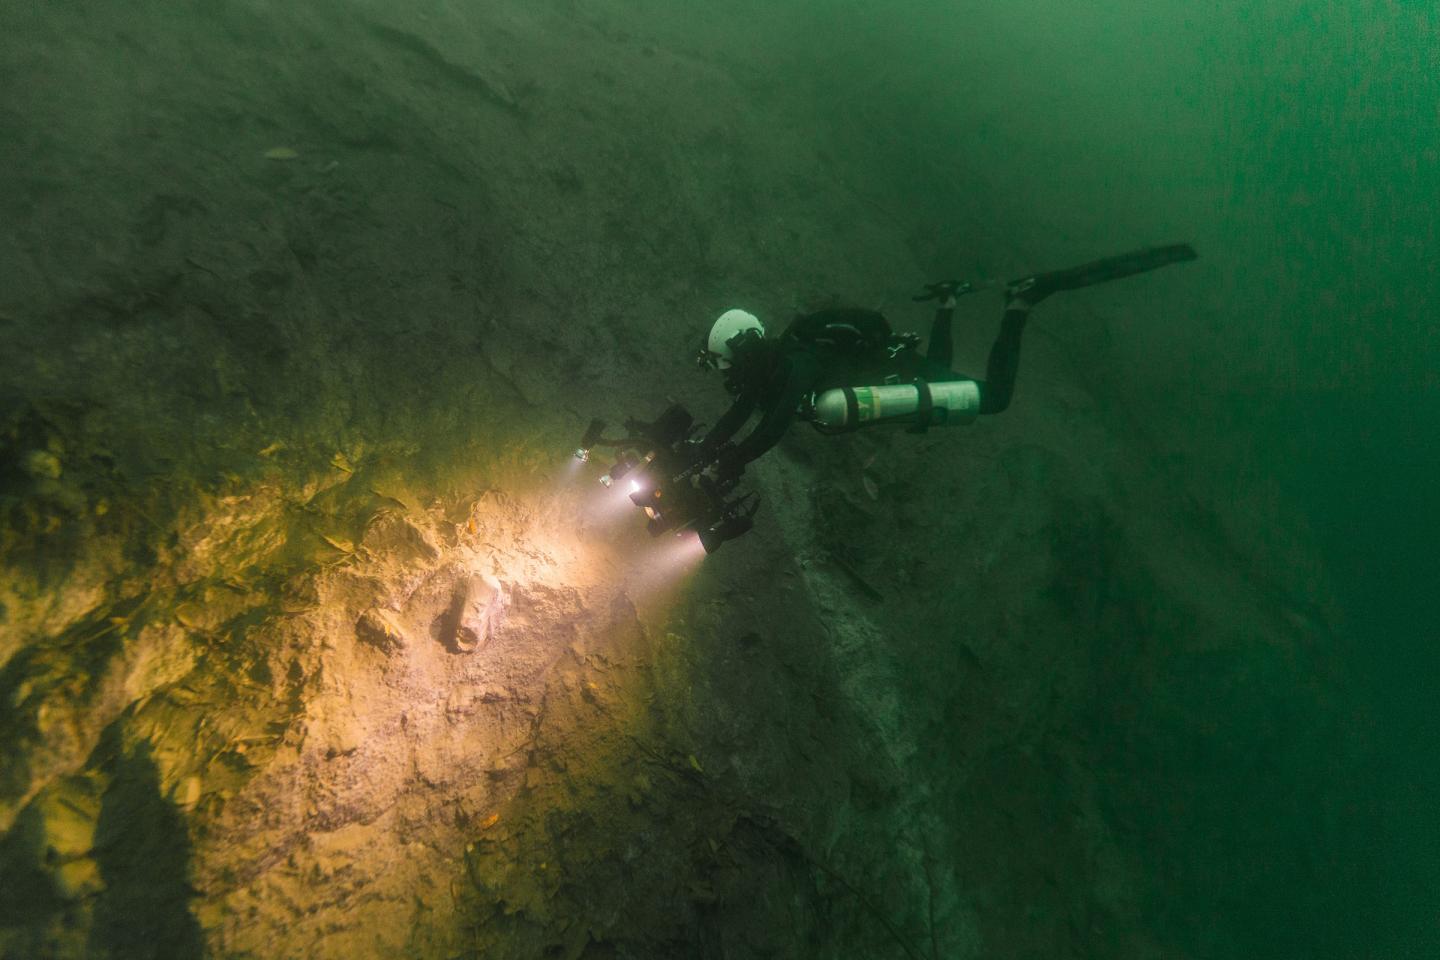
[[422, 675]]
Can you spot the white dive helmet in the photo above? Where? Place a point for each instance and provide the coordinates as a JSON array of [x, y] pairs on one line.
[[730, 324]]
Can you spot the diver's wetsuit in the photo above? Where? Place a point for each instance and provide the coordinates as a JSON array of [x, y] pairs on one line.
[[776, 376], [1000, 370], [770, 376]]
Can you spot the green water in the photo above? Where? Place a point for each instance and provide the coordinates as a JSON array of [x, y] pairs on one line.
[[1297, 145], [484, 222]]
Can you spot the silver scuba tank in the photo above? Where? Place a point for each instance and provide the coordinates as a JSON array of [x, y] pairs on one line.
[[920, 404]]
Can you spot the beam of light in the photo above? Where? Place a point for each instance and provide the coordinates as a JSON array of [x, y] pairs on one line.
[[665, 565], [572, 469], [684, 551], [605, 518], [608, 504]]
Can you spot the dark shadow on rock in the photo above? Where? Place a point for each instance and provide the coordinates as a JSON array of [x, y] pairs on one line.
[[28, 902], [143, 852], [27, 684]]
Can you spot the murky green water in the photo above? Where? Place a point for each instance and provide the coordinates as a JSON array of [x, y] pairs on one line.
[[1147, 663]]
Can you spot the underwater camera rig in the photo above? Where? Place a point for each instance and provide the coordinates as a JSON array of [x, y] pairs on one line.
[[661, 462]]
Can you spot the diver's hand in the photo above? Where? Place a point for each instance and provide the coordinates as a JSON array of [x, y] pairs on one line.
[[713, 475], [696, 453], [724, 471]]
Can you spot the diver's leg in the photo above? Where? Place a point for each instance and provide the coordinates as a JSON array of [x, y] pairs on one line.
[[999, 383], [1100, 271], [940, 348]]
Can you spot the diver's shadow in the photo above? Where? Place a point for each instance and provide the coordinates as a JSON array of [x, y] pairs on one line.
[[143, 851]]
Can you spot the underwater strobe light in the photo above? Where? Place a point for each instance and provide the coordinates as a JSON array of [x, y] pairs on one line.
[[592, 437], [626, 462], [657, 464], [727, 529]]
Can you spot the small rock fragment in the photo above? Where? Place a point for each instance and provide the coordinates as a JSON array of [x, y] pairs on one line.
[[187, 793], [421, 541], [378, 628], [391, 534], [638, 790], [339, 543], [76, 880], [42, 465], [344, 738], [191, 616]]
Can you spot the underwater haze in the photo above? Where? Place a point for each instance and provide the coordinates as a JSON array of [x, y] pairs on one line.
[[315, 640], [1298, 145]]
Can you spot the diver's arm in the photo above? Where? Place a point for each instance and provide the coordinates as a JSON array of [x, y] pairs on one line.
[[726, 426], [732, 420], [798, 376], [941, 348], [999, 384]]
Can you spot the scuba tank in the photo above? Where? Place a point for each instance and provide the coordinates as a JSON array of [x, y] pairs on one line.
[[919, 404]]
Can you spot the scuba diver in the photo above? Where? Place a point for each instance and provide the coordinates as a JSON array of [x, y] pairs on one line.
[[815, 369]]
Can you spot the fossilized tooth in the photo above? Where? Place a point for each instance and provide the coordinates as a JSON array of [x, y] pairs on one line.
[[476, 608]]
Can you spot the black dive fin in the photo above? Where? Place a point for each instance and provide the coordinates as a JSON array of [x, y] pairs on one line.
[[1102, 271]]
